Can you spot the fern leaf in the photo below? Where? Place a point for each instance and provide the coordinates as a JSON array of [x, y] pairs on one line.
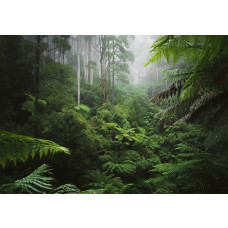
[[36, 182], [15, 147]]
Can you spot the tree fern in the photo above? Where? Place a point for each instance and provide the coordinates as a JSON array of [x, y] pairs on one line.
[[119, 164], [201, 82], [101, 179]]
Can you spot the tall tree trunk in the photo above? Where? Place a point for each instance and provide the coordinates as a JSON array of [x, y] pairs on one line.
[[86, 63], [103, 77], [37, 78], [84, 57], [103, 64], [78, 69], [90, 59], [109, 67], [113, 74]]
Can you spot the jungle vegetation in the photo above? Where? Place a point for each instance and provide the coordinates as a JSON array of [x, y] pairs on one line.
[[73, 123]]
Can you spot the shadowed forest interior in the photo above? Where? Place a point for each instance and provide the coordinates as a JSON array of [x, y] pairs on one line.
[[113, 114]]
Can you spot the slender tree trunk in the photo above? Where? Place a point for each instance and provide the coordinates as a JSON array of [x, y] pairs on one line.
[[103, 74], [109, 73], [78, 70], [84, 58], [37, 78], [99, 67], [103, 64], [109, 67], [90, 59], [113, 74]]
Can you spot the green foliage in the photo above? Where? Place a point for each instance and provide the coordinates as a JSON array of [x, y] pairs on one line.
[[29, 105], [19, 147], [130, 145], [66, 189], [201, 82], [36, 182], [83, 108], [58, 92], [101, 180], [125, 134], [118, 164]]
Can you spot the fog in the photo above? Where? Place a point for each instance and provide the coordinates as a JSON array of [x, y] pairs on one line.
[[140, 47]]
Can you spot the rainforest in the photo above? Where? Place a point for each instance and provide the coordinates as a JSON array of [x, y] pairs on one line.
[[113, 114]]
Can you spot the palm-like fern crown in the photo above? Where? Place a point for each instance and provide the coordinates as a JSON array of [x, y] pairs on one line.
[[202, 82], [120, 164], [100, 180]]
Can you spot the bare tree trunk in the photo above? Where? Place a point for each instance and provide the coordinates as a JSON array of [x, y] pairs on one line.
[[78, 69], [103, 77], [99, 67], [90, 59], [86, 63], [103, 64], [109, 68], [113, 75], [84, 57]]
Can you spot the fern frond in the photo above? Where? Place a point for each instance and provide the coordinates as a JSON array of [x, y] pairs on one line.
[[15, 147], [119, 164], [66, 189], [205, 102], [203, 81], [100, 180], [174, 89], [36, 182]]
